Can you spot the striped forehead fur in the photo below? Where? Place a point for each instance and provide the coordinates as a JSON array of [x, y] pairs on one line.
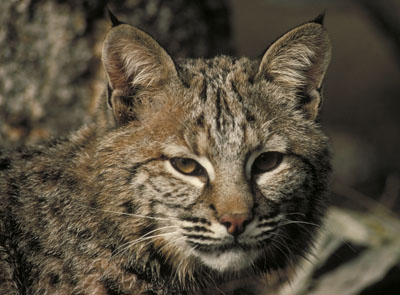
[[225, 107]]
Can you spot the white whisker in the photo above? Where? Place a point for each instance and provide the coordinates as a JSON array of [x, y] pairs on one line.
[[142, 238], [135, 242], [169, 243], [282, 243], [299, 222]]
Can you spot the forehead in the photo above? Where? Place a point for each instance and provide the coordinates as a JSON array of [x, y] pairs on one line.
[[226, 113]]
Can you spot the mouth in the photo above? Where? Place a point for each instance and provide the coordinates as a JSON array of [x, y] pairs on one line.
[[232, 253], [220, 248]]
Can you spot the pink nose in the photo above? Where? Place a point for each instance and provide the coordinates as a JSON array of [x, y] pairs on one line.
[[235, 223]]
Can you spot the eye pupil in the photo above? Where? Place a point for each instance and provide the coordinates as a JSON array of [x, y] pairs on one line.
[[187, 166], [266, 162]]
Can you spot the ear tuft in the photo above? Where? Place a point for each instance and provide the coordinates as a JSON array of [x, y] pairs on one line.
[[114, 20], [298, 61], [319, 19]]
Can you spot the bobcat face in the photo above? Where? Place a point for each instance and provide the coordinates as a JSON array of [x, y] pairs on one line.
[[232, 187], [226, 161]]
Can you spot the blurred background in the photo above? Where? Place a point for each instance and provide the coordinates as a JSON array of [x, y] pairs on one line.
[[51, 76]]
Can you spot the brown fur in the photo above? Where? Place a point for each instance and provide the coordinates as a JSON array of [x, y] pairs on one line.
[[104, 211]]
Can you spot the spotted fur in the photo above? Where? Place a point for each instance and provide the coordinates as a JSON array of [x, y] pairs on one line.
[[105, 211]]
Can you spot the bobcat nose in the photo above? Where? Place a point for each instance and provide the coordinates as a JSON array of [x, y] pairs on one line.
[[235, 223]]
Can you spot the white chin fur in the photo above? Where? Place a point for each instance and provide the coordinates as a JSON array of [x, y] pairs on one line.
[[229, 261]]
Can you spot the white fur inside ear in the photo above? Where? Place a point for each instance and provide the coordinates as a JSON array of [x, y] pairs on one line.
[[140, 65]]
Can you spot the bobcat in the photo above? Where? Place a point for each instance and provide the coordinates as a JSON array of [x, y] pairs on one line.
[[198, 176]]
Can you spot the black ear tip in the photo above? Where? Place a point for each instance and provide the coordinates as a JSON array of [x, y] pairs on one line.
[[114, 20], [319, 19]]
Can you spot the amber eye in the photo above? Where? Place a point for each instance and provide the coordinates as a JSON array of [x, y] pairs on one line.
[[187, 166], [267, 162]]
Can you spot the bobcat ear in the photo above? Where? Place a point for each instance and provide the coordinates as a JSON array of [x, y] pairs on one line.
[[299, 60], [133, 62]]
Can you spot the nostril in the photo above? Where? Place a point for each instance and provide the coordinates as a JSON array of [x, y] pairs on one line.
[[235, 223]]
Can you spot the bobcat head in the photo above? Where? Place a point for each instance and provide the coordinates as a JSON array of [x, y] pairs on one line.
[[215, 165]]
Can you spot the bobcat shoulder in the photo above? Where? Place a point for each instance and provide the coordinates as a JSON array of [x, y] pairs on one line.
[[199, 176]]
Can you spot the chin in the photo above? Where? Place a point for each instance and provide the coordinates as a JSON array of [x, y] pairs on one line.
[[229, 261]]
